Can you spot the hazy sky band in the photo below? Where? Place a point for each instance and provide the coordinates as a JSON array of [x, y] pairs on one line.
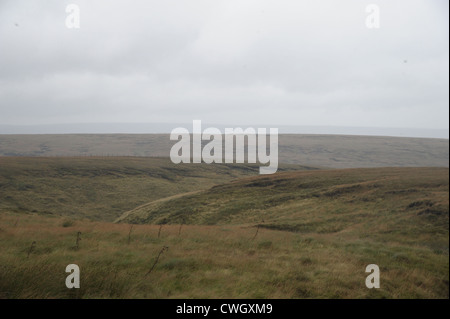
[[225, 62]]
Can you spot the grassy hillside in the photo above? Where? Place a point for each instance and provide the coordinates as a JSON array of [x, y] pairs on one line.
[[102, 188], [397, 218], [303, 234], [333, 151], [324, 201]]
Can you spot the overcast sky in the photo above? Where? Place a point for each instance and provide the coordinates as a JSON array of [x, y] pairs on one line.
[[227, 62]]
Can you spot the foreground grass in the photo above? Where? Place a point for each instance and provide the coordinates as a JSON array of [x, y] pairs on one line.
[[208, 262]]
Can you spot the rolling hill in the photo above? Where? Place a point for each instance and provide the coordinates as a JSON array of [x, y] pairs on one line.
[[305, 234], [322, 201], [300, 233], [102, 188]]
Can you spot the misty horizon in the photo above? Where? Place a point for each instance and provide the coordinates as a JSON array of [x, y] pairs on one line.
[[166, 128]]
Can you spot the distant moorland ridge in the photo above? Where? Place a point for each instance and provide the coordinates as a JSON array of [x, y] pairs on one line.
[[331, 151]]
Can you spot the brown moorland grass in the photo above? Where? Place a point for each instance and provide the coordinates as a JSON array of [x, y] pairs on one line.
[[228, 261], [208, 262], [102, 188], [314, 244], [383, 201]]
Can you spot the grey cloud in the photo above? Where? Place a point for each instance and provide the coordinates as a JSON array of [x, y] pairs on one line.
[[280, 62]]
